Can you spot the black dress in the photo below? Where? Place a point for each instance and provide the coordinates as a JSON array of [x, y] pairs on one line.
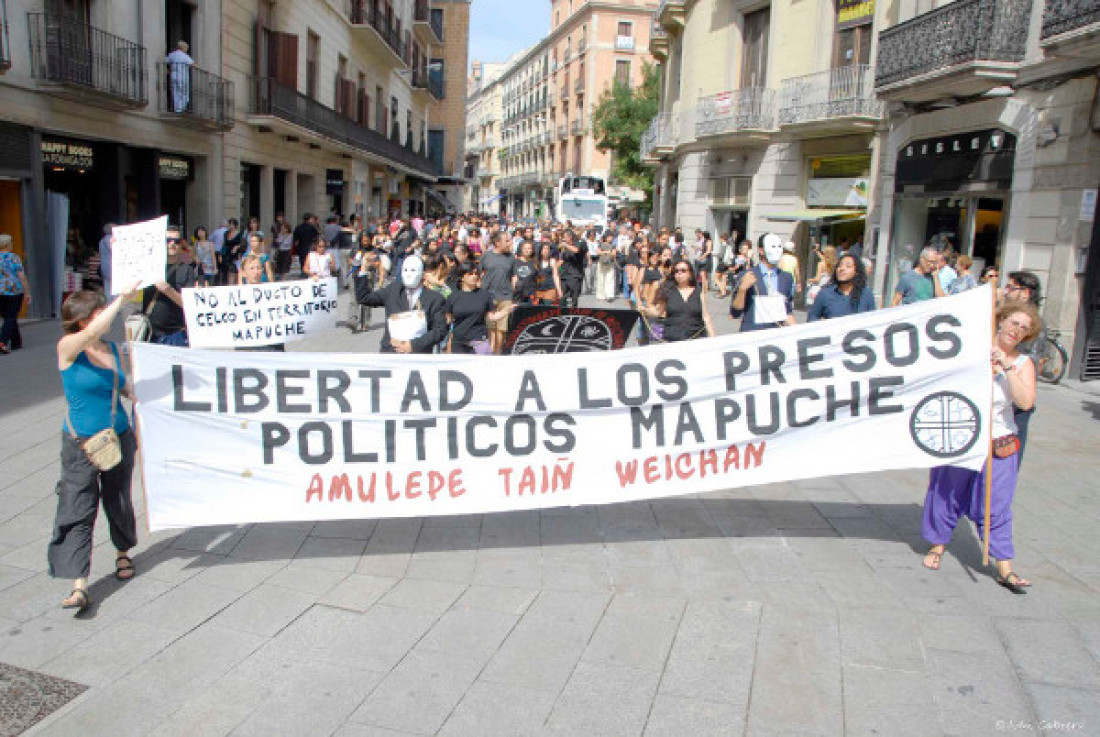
[[684, 318]]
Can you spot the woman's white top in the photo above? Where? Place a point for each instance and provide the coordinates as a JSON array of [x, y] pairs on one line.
[[1004, 422]]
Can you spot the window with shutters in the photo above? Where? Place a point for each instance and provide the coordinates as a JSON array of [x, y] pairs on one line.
[[754, 58], [341, 105], [728, 191], [622, 72], [313, 51], [379, 111], [395, 131], [362, 102]]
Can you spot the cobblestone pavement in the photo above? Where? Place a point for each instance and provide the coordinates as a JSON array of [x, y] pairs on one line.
[[795, 608]]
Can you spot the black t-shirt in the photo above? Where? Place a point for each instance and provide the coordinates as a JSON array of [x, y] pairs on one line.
[[574, 263], [166, 317], [652, 274], [467, 310], [525, 278], [544, 276], [304, 237]]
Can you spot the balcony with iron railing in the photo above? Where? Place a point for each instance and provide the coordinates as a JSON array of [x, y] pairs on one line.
[[427, 22], [578, 86], [370, 15], [282, 109], [658, 39], [1071, 28], [84, 63], [961, 49], [672, 14], [833, 102], [195, 96], [741, 116], [659, 139], [582, 45], [576, 127], [563, 130], [484, 172]]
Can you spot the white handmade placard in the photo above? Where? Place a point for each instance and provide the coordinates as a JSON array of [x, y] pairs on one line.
[[139, 253], [252, 315]]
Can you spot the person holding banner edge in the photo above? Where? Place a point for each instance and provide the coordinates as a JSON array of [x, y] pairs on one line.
[[93, 378], [417, 311], [956, 491]]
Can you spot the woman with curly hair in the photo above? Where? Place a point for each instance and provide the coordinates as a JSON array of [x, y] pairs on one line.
[[846, 293]]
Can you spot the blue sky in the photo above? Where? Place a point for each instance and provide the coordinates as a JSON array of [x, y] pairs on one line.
[[500, 28]]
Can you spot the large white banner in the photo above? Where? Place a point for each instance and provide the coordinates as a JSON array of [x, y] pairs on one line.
[[230, 438], [259, 314], [139, 253]]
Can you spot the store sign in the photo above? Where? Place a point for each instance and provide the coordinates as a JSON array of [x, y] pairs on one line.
[[334, 182], [840, 192], [67, 155], [174, 167], [851, 13]]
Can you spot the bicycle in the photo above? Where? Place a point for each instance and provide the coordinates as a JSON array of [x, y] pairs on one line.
[[1052, 357]]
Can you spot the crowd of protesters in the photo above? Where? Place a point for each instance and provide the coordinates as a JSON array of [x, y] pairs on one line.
[[450, 286]]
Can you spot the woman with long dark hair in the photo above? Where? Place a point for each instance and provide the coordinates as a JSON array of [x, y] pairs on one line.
[[470, 310], [681, 306], [846, 293]]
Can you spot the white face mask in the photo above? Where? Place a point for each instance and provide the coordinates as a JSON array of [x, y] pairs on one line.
[[412, 272], [773, 248]]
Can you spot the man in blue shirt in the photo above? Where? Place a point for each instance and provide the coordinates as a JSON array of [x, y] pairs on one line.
[[764, 282]]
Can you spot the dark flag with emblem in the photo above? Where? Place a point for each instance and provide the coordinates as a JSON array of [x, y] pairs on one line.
[[536, 329]]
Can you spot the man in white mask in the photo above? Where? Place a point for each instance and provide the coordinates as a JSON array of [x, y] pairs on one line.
[[416, 321], [764, 297]]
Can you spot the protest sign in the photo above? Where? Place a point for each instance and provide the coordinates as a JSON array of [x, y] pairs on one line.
[[138, 254], [259, 314], [277, 437], [541, 329]]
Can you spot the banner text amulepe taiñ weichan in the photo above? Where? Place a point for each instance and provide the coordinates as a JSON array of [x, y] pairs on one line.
[[232, 438]]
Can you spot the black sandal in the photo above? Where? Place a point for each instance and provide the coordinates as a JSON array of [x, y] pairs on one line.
[[1013, 582], [77, 599], [124, 567]]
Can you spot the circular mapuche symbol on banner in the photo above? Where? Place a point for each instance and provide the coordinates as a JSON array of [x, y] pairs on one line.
[[564, 334], [945, 425]]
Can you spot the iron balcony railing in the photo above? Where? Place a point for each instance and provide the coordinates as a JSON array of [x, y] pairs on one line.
[[371, 13], [190, 91], [72, 53], [562, 130], [661, 133], [656, 30], [834, 93], [752, 108], [577, 127], [484, 172], [578, 86], [1060, 16], [959, 32], [274, 99]]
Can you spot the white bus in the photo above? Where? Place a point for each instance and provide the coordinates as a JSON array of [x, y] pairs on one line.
[[581, 200]]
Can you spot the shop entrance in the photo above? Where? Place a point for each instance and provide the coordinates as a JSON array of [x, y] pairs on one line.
[[964, 223]]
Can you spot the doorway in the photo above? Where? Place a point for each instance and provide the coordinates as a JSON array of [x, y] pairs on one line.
[[178, 16]]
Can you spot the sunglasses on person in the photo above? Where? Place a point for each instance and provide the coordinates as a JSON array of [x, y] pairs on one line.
[[682, 270]]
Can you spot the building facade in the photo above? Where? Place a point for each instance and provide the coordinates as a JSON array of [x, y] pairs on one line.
[[288, 107], [768, 119], [335, 115], [447, 68], [483, 136], [92, 130], [993, 147], [549, 91]]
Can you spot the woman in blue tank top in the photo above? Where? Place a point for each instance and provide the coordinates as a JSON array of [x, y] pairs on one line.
[[94, 380]]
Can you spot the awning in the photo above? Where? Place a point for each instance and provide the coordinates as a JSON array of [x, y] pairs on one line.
[[494, 198], [811, 215]]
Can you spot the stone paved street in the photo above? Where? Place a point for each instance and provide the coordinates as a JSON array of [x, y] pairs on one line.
[[796, 608]]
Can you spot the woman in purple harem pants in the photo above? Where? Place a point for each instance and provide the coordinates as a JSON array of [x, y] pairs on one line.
[[955, 492]]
